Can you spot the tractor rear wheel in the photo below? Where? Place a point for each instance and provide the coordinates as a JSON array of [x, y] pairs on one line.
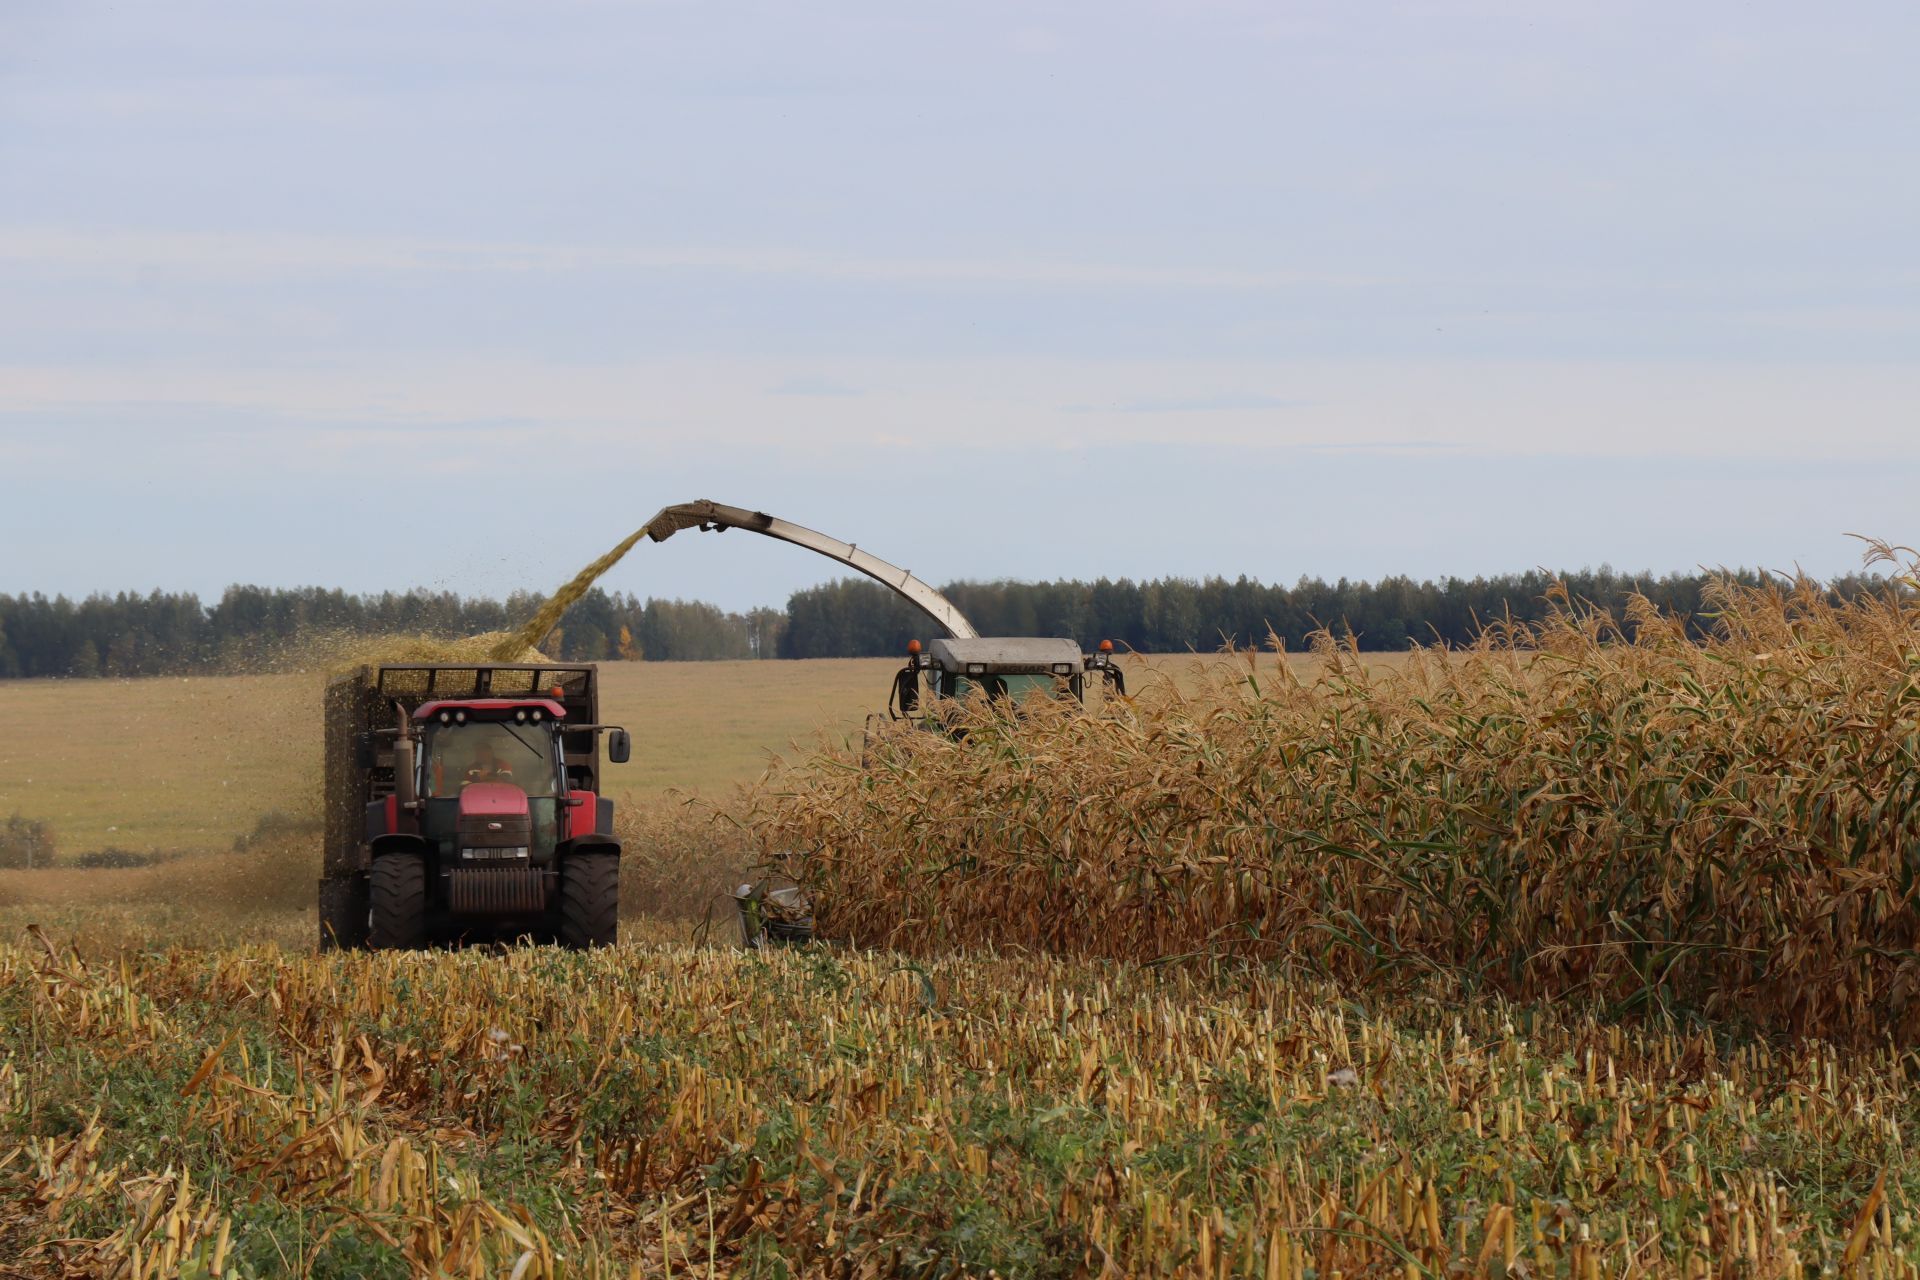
[[589, 900], [343, 913], [398, 898]]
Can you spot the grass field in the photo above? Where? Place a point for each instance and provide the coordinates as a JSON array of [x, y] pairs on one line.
[[155, 764], [178, 764]]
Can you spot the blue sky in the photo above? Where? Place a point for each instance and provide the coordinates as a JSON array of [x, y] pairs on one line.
[[456, 295]]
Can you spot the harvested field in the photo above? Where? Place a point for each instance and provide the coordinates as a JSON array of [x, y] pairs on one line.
[[190, 764], [657, 1110]]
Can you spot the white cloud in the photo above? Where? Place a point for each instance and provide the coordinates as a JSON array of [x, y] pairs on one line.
[[688, 408], [251, 257]]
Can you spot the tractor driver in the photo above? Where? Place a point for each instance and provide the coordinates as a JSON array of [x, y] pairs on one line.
[[488, 766]]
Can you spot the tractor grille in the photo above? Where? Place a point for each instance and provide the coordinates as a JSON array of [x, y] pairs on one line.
[[498, 891]]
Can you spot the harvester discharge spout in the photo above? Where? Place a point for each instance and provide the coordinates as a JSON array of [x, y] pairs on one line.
[[711, 516]]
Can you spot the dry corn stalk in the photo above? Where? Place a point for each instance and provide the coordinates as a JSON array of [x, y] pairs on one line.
[[1589, 807]]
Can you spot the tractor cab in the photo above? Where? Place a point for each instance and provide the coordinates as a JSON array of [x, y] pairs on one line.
[[492, 741], [1013, 670], [491, 779], [481, 807]]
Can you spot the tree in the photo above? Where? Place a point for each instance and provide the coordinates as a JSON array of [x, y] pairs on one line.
[[25, 843]]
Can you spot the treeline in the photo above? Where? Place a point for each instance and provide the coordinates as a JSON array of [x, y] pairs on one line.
[[265, 629], [259, 628], [858, 618]]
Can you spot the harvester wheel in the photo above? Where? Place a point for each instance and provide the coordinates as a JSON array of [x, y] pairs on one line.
[[398, 896], [589, 900], [343, 913]]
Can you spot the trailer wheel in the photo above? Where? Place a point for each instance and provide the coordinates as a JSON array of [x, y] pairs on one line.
[[398, 898], [343, 913], [589, 900]]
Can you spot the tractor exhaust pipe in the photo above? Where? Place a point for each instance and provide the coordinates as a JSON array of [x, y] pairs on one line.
[[403, 747]]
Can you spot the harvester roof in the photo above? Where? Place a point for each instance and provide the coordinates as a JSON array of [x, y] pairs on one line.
[[1005, 654]]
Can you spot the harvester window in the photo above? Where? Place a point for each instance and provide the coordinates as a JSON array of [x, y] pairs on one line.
[[459, 754], [1018, 686]]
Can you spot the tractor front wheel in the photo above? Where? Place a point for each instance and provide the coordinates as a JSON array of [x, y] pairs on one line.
[[589, 900], [398, 896]]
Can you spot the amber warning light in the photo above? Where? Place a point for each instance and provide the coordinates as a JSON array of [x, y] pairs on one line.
[[913, 646], [1106, 646]]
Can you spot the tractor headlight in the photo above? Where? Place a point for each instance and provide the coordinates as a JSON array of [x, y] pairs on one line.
[[494, 855], [459, 717], [976, 668], [1063, 668], [520, 716], [535, 716]]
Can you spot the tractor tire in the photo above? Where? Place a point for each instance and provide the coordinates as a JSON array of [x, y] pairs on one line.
[[589, 900], [343, 913], [397, 896]]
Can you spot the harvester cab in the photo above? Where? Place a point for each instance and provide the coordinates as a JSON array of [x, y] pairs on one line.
[[473, 811], [1009, 669]]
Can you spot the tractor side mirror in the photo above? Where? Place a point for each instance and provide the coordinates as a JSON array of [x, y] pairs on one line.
[[363, 751], [619, 747]]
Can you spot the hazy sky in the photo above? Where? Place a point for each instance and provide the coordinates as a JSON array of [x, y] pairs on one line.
[[378, 295]]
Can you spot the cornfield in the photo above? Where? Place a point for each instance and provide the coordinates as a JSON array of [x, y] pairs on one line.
[[691, 853], [1590, 808], [659, 1110]]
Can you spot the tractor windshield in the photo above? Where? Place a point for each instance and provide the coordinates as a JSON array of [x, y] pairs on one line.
[[522, 754]]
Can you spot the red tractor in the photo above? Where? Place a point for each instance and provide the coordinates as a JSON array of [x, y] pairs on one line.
[[463, 803]]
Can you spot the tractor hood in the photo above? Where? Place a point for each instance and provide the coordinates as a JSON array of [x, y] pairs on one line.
[[495, 827], [492, 800]]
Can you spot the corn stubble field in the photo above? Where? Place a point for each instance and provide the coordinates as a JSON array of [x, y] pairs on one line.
[[1581, 953]]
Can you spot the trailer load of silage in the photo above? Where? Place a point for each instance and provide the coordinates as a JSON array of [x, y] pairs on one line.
[[422, 649]]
